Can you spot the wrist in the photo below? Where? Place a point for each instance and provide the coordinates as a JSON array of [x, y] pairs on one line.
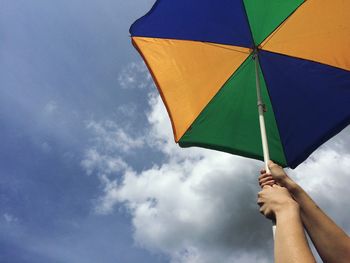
[[287, 217], [288, 209], [294, 189], [292, 186]]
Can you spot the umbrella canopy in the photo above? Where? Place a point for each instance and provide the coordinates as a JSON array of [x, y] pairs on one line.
[[201, 56]]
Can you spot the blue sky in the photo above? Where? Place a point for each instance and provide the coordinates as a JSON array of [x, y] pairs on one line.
[[59, 66], [89, 171]]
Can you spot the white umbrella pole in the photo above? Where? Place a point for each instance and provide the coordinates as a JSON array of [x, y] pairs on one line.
[[262, 109]]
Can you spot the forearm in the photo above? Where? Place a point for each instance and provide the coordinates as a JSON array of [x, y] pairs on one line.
[[290, 242], [331, 242]]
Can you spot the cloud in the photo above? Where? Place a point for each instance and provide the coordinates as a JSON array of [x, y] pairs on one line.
[[127, 110], [207, 204], [135, 76], [200, 205], [326, 178], [103, 164], [109, 136]]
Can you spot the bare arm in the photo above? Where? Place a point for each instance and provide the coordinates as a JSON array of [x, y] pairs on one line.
[[290, 242], [331, 242]]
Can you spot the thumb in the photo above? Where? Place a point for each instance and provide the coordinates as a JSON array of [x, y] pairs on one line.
[[272, 165]]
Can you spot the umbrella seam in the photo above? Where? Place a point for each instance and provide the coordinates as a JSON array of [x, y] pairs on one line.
[[184, 39], [310, 60], [277, 125], [219, 90], [218, 45], [158, 88], [247, 19], [280, 25]]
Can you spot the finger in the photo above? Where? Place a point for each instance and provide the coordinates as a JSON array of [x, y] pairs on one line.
[[266, 186], [277, 186], [265, 179], [270, 215], [260, 201], [261, 210], [262, 171], [268, 183], [263, 176], [271, 164], [264, 210]]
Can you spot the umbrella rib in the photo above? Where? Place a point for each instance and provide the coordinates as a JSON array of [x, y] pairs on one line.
[[306, 59], [220, 45], [233, 47], [274, 111], [269, 37], [241, 67], [247, 19]]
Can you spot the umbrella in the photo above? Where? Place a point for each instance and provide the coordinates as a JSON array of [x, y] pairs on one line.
[[232, 73]]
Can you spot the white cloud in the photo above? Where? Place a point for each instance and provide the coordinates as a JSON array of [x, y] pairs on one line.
[[105, 157], [200, 205], [103, 164], [325, 176], [111, 137], [207, 204], [135, 76], [127, 110]]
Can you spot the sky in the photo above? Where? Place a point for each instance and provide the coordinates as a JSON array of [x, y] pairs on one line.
[[89, 171]]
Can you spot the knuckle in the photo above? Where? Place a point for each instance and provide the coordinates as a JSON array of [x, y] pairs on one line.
[[267, 180]]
